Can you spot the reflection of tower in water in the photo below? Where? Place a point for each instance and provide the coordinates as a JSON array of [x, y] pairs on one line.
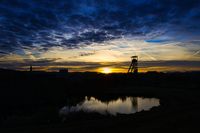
[[134, 65], [134, 101]]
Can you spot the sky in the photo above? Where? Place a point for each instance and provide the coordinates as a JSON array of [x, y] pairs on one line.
[[97, 35]]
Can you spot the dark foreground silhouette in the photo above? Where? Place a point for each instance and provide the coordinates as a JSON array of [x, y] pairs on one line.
[[30, 101]]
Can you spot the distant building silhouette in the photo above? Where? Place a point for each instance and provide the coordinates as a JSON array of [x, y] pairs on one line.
[[134, 65], [64, 70]]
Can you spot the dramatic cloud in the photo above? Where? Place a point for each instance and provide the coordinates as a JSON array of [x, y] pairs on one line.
[[73, 22], [99, 30]]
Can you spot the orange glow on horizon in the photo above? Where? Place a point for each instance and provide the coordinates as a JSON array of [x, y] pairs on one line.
[[111, 69], [106, 70]]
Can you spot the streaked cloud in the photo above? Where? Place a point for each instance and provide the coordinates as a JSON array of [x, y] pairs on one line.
[[97, 31]]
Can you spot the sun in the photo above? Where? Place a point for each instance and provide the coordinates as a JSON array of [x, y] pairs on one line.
[[106, 70]]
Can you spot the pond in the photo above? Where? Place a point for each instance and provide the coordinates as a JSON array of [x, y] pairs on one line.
[[112, 106]]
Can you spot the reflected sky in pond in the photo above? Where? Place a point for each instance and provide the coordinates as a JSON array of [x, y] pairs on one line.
[[127, 105]]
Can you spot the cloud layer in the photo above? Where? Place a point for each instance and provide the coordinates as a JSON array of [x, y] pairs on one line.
[[32, 29], [29, 23]]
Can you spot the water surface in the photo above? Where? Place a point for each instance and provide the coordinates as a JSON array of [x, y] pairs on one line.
[[125, 105]]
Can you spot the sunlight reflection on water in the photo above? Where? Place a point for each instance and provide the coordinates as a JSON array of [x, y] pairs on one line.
[[127, 105]]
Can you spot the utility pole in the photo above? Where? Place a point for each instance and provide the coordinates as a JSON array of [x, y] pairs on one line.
[[31, 68]]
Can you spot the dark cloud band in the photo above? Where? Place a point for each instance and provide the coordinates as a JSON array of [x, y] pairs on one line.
[[71, 23]]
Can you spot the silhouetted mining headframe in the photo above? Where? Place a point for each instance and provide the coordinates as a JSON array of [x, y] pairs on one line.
[[134, 65]]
